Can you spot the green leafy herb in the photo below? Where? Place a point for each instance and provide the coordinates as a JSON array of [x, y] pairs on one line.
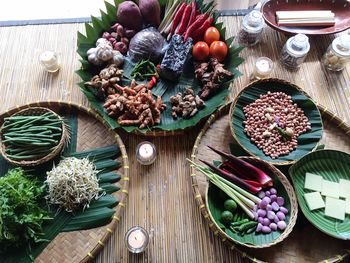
[[20, 214]]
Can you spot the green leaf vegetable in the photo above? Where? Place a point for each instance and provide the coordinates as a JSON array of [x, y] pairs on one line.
[[21, 217]]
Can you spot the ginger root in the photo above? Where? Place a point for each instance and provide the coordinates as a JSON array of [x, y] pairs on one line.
[[104, 83], [134, 105], [185, 105], [211, 74]]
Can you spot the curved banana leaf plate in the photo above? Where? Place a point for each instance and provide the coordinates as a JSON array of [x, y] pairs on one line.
[[165, 89], [332, 165], [307, 142]]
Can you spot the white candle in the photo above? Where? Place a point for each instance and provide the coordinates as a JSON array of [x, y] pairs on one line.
[[136, 239], [146, 153], [49, 61], [262, 68]]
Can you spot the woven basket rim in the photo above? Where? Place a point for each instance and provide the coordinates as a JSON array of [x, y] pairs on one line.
[[233, 105], [292, 198], [124, 183], [45, 158], [341, 124]]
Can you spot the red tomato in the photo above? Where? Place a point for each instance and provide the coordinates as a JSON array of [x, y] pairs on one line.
[[200, 51], [218, 50], [211, 35]]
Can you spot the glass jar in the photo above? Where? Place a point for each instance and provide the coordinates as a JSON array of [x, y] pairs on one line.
[[337, 54], [252, 26], [295, 51]]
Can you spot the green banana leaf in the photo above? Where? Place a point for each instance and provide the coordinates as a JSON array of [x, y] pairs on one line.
[[164, 88], [99, 212], [307, 142], [332, 165], [216, 198]]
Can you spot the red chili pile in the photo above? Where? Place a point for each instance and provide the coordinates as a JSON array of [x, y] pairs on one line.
[[274, 123]]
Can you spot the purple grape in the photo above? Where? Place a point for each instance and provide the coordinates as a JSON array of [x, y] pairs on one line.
[[255, 215], [282, 225], [266, 229], [255, 208], [283, 210], [259, 227], [269, 208], [271, 215], [261, 213], [261, 194], [266, 222], [276, 219], [275, 206], [280, 215], [267, 193], [273, 198], [260, 220], [273, 191], [280, 201], [273, 226]]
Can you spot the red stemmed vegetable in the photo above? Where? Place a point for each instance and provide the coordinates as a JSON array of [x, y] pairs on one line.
[[177, 18], [196, 24], [233, 178], [193, 14], [184, 21], [200, 30], [251, 182], [245, 169]]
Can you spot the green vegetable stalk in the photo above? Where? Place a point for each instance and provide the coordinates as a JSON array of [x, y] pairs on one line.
[[21, 217]]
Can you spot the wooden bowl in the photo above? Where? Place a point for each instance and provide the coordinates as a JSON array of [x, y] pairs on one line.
[[341, 9]]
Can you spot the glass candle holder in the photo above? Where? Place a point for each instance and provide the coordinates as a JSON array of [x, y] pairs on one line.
[[136, 239], [146, 153], [263, 67], [49, 60]]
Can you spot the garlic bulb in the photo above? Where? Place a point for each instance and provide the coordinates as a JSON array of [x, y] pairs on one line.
[[118, 58], [103, 53]]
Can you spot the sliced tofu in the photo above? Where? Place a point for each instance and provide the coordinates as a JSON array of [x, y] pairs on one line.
[[347, 206], [313, 182], [314, 200], [344, 186], [335, 208], [330, 189]]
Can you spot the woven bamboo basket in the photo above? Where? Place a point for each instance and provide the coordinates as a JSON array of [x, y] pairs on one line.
[[36, 111], [233, 105], [271, 170], [305, 243], [92, 132]]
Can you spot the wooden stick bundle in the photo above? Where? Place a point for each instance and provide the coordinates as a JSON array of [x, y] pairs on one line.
[[305, 18]]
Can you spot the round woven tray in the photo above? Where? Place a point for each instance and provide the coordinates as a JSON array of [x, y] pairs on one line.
[[92, 132], [36, 111], [305, 243]]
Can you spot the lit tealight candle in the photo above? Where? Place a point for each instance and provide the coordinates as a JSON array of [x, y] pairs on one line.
[[262, 68], [136, 239], [146, 153], [49, 61]]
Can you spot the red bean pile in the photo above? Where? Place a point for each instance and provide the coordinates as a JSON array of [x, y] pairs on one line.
[[266, 114]]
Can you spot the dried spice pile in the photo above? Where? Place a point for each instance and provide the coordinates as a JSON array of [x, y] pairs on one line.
[[274, 123], [186, 105], [134, 105]]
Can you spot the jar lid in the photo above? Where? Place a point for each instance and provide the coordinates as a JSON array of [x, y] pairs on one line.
[[298, 45], [341, 45], [254, 21]]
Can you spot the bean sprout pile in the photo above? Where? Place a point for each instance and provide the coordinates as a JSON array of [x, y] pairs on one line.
[[73, 184]]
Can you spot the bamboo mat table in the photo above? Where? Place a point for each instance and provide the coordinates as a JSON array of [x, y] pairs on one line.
[[161, 198]]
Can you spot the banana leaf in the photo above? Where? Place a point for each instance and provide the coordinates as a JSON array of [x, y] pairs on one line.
[[164, 88], [332, 165], [307, 142], [99, 212]]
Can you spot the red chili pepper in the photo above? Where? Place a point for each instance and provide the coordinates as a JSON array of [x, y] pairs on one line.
[[158, 67], [196, 24], [200, 30], [193, 14], [177, 17], [184, 21], [154, 80]]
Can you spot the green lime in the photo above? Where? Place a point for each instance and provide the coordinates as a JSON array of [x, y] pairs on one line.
[[230, 205], [226, 217]]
